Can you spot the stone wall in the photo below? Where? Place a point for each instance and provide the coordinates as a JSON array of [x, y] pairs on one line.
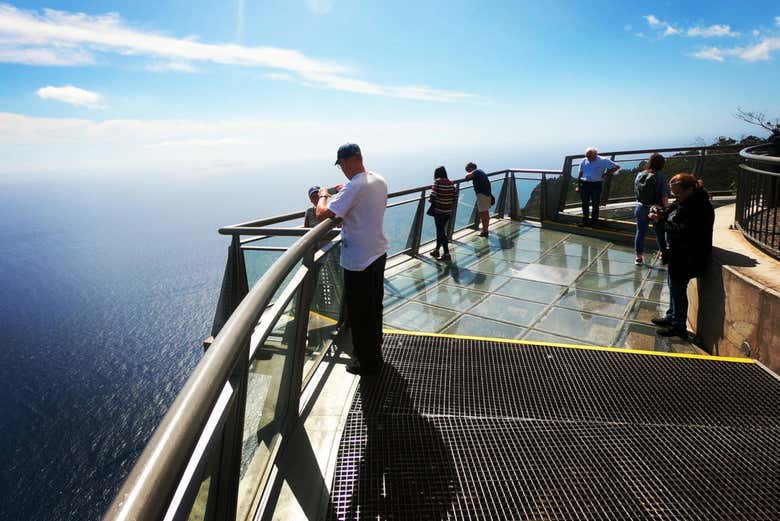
[[735, 308]]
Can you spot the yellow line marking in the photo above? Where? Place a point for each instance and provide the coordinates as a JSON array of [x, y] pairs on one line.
[[575, 346], [323, 317]]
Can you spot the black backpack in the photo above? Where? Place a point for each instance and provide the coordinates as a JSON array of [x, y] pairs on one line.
[[647, 188]]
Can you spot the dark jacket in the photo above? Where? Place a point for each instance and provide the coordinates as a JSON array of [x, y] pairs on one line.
[[689, 234]]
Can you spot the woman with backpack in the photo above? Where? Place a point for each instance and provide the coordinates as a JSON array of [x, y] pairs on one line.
[[443, 198], [651, 190]]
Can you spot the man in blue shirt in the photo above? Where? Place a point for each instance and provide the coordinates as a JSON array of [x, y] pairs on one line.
[[484, 195], [592, 171]]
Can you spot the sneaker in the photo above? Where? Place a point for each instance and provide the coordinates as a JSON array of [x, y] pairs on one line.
[[639, 260], [665, 258], [671, 331], [435, 254], [483, 234], [446, 257], [661, 321]]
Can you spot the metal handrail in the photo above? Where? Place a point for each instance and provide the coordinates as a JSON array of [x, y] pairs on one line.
[[750, 153], [758, 198], [148, 489]]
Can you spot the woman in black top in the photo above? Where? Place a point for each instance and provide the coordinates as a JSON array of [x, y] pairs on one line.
[[689, 222]]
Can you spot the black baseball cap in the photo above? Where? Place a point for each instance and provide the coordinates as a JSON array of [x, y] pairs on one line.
[[346, 151]]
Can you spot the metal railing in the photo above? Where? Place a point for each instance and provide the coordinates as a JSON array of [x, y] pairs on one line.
[[758, 197], [717, 166], [213, 454]]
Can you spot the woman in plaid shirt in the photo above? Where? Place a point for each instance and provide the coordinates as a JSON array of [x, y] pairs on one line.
[[443, 197]]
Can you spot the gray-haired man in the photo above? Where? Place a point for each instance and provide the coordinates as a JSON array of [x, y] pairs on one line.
[[593, 168]]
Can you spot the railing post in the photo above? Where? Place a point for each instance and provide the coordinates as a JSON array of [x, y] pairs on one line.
[[234, 287], [514, 201], [228, 475], [502, 196], [543, 195], [454, 215], [415, 234], [565, 182], [607, 185], [300, 334]]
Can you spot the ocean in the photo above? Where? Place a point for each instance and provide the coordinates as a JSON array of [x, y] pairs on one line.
[[108, 288]]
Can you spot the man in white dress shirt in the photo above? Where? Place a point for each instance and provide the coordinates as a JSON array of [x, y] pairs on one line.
[[361, 206]]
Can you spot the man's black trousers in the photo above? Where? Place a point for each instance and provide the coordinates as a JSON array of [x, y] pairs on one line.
[[364, 292]]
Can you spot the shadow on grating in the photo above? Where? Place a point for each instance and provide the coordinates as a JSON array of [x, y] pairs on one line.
[[467, 429]]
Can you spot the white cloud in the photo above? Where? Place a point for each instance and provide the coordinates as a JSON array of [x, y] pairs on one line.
[[669, 29], [710, 53], [712, 31], [44, 56], [656, 23], [761, 51], [777, 21], [64, 38], [67, 145], [173, 66], [72, 96], [756, 32]]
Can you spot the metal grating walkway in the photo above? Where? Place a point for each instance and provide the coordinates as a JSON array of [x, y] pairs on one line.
[[458, 428]]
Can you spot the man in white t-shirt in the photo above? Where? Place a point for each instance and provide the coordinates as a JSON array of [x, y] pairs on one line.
[[361, 206]]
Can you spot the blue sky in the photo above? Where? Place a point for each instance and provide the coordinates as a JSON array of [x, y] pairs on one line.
[[212, 85]]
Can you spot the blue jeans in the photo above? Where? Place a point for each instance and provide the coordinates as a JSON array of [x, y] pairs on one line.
[[677, 313], [441, 220], [590, 193], [642, 222]]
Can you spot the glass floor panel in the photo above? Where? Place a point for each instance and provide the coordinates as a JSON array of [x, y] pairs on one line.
[[591, 302], [596, 329], [507, 309], [498, 266], [620, 254], [578, 250], [501, 287], [475, 280], [655, 291], [415, 316], [564, 261], [477, 326], [604, 266], [540, 336], [657, 274], [424, 270], [530, 290], [643, 310], [642, 336], [549, 274], [452, 297], [404, 287], [626, 287], [517, 255]]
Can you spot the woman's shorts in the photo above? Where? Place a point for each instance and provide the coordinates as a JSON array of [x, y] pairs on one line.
[[483, 202]]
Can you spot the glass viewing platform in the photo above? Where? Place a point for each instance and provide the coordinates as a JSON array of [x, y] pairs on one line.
[[523, 378]]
